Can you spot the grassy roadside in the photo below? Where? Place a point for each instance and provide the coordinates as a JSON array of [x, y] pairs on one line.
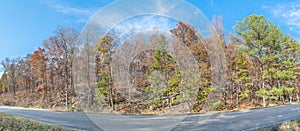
[[293, 125], [14, 123]]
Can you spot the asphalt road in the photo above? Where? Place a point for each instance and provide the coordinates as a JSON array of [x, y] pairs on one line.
[[243, 120]]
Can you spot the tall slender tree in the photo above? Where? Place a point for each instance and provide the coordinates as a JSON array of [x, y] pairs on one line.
[[261, 41]]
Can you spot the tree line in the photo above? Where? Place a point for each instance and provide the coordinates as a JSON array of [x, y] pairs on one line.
[[262, 68]]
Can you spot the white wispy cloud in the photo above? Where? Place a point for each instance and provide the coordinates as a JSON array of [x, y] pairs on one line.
[[1, 73], [118, 12], [112, 14], [71, 10], [288, 15], [290, 12], [144, 23], [80, 14], [162, 9]]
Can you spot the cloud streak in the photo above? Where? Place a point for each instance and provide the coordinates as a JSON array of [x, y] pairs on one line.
[[80, 14], [71, 10], [288, 14], [179, 10], [144, 23]]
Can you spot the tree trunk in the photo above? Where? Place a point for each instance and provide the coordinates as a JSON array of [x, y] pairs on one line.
[[88, 77], [225, 106], [231, 97], [237, 96], [110, 84], [66, 77], [264, 96]]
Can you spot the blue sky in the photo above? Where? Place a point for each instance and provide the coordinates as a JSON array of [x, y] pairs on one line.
[[25, 24]]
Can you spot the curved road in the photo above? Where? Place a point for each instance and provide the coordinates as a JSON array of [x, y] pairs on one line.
[[243, 120]]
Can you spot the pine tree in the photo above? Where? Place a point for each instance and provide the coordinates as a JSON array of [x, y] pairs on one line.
[[261, 42], [163, 83], [104, 46]]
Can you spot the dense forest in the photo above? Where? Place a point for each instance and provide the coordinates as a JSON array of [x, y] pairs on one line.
[[262, 69]]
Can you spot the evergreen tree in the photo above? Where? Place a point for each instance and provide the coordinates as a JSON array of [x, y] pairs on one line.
[[261, 42], [105, 91]]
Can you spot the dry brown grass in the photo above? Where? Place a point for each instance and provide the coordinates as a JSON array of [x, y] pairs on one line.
[[286, 126], [13, 123]]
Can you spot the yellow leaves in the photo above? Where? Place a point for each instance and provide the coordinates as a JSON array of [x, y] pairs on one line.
[[104, 44], [103, 49], [104, 56], [103, 70]]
